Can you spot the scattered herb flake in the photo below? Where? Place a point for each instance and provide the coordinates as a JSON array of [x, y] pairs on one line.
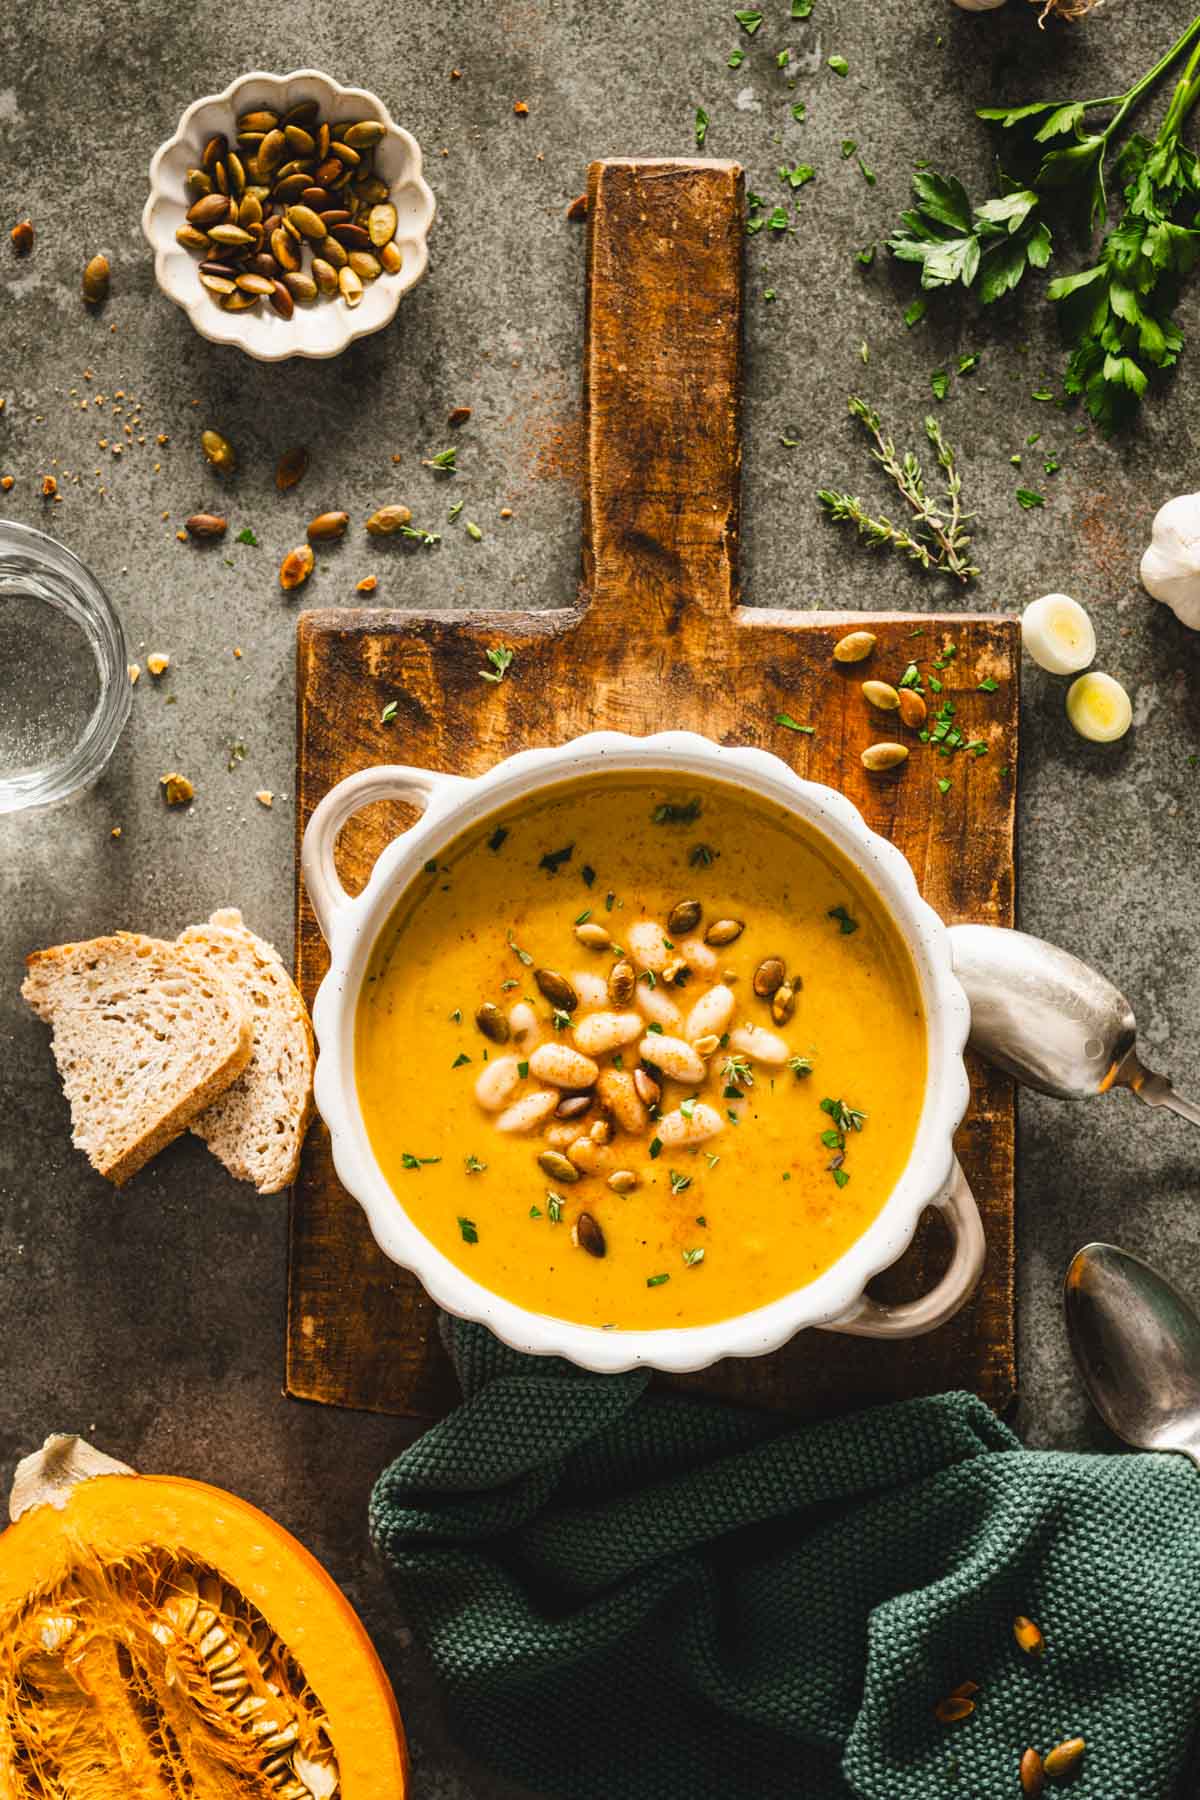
[[691, 1258], [848, 148], [840, 1177], [701, 127], [521, 955], [676, 812], [500, 656], [787, 720], [915, 311], [736, 58], [655, 1148], [988, 685], [939, 381], [656, 1280], [470, 1234], [553, 860], [474, 533], [444, 460], [800, 1066], [845, 921], [454, 511], [473, 1165], [866, 256], [1029, 498], [498, 837], [554, 1206], [246, 536], [944, 785], [702, 856], [749, 21], [460, 1059], [799, 112], [679, 1181], [409, 1161], [839, 65], [389, 712]]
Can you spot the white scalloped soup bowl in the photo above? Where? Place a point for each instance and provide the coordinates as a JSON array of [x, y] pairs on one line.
[[317, 328], [835, 1300]]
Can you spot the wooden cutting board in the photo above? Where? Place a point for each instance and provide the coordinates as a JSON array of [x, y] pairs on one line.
[[655, 638]]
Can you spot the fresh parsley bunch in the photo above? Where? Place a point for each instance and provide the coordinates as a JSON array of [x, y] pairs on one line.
[[1117, 314]]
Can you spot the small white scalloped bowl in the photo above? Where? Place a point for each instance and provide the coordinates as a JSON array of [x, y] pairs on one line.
[[319, 327], [836, 1300]]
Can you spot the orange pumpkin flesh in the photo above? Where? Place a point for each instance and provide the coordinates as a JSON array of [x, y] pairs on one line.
[[94, 1598]]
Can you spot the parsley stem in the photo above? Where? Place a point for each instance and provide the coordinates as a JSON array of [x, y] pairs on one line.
[[1131, 98]]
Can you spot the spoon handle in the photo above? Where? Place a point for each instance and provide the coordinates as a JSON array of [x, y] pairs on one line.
[[1156, 1090]]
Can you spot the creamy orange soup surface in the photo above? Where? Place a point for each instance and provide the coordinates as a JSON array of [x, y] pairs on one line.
[[640, 1054]]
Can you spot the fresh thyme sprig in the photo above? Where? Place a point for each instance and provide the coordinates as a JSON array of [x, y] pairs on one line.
[[938, 540]]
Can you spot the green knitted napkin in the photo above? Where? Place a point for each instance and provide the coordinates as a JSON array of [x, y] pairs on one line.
[[628, 1595]]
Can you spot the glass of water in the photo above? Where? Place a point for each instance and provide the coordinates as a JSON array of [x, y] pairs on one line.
[[64, 679]]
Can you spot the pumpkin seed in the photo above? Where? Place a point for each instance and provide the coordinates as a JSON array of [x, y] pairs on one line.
[[370, 189], [391, 259], [622, 983], [365, 266], [307, 221], [493, 1023], [706, 1045], [556, 989], [649, 1091], [327, 527], [250, 211], [1033, 1774], [290, 468], [364, 134], [303, 113], [255, 284], [95, 281], [198, 182], [953, 1709], [883, 756], [1064, 1759], [236, 171], [221, 177], [325, 276], [300, 286], [881, 694], [218, 268], [214, 150], [588, 1235], [724, 931], [558, 1167], [684, 917], [593, 935], [856, 646], [386, 520], [218, 450], [572, 1106], [1028, 1635], [291, 187], [229, 234], [296, 567], [210, 209], [301, 141], [351, 237], [191, 238], [258, 122], [333, 253], [623, 1181], [783, 1003], [769, 976], [271, 152], [206, 525], [913, 711], [601, 1131], [381, 224], [239, 301], [282, 300], [345, 153]]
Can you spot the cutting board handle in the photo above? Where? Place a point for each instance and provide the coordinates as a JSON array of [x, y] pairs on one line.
[[662, 394]]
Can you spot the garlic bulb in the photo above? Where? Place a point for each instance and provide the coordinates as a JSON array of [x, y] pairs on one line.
[[1058, 634], [1171, 564], [1098, 707]]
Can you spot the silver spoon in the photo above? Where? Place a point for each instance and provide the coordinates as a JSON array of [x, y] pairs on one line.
[[1048, 1019], [1136, 1343]]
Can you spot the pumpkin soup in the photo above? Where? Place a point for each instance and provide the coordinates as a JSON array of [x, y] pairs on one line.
[[638, 1056]]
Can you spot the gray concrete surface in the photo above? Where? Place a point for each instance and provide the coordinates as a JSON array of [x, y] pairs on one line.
[[153, 1320]]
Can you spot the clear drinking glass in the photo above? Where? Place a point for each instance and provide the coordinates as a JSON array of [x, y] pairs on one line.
[[64, 680]]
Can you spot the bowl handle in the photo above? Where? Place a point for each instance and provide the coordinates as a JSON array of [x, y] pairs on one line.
[[391, 781], [870, 1318]]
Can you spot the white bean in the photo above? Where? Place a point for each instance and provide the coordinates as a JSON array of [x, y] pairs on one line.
[[700, 957], [603, 1031], [763, 1046], [591, 988], [712, 1013], [564, 1067], [559, 1136], [497, 1083], [530, 1111], [645, 940], [675, 1131], [618, 1093], [523, 1021], [591, 1157], [657, 1005], [675, 1058]]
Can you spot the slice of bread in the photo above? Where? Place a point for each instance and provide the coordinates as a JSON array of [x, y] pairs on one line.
[[146, 1035], [257, 1126]]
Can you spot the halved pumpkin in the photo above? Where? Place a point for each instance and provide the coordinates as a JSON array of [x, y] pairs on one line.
[[162, 1640]]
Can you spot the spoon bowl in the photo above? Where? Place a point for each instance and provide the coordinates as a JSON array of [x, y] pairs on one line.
[[1136, 1343]]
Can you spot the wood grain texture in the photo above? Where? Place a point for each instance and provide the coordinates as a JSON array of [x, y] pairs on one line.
[[654, 639]]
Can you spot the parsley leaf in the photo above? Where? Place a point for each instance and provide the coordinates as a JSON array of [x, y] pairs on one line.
[[701, 127], [749, 21], [467, 1227], [500, 656], [787, 720], [1029, 498]]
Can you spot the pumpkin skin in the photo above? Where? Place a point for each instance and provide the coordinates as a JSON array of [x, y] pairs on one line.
[[110, 1518]]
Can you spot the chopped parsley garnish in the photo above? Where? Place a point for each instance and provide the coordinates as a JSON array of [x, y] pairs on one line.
[[561, 1020], [587, 874], [911, 677], [737, 1070], [389, 712], [554, 859], [654, 1027], [467, 1227], [736, 58], [500, 657], [246, 536], [460, 1059], [498, 837], [798, 177], [473, 531], [523, 1070], [1028, 498], [939, 381], [866, 256], [692, 1257], [473, 1165], [676, 812], [702, 856], [967, 363], [701, 127], [656, 1280], [749, 21], [988, 685], [454, 511], [794, 724], [679, 1181], [839, 65], [554, 1206], [655, 1148], [409, 1161], [583, 917], [840, 1177], [915, 311], [535, 1212], [799, 1065], [846, 1118], [847, 923], [688, 1108], [444, 460], [521, 955]]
